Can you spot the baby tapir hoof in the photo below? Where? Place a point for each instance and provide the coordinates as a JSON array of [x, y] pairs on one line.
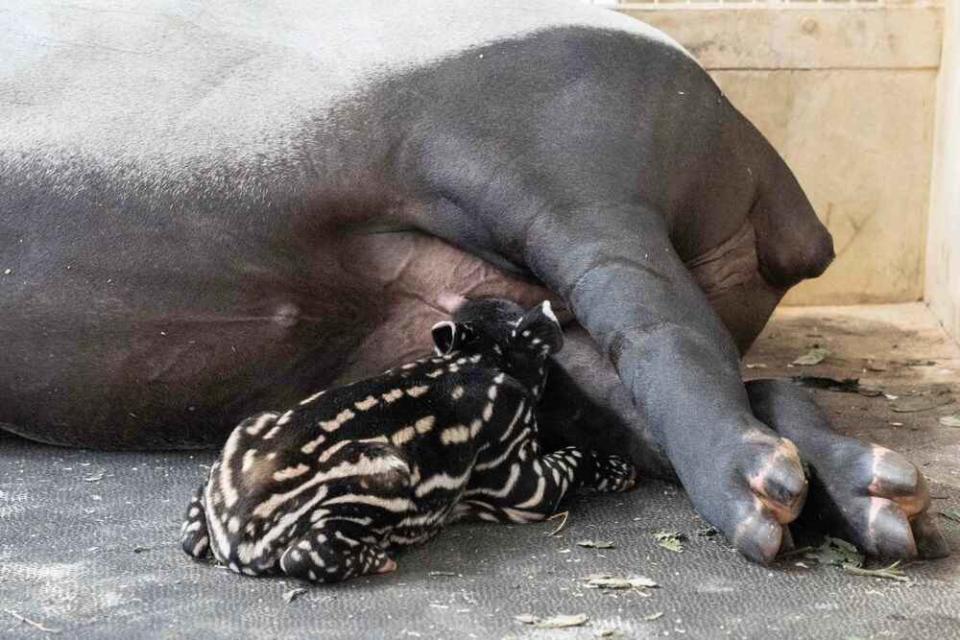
[[611, 474], [333, 557]]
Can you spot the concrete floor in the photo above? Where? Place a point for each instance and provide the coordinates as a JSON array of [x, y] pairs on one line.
[[88, 540]]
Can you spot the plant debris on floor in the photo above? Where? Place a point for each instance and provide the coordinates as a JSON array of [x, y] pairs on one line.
[[670, 540], [840, 553], [594, 544], [604, 581], [814, 356], [560, 621]]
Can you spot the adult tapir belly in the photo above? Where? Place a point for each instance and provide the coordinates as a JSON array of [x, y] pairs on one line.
[[212, 208]]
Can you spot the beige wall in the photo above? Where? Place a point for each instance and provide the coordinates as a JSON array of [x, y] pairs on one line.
[[847, 94], [943, 253]]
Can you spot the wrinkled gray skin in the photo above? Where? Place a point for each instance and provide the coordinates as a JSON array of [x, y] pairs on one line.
[[209, 209]]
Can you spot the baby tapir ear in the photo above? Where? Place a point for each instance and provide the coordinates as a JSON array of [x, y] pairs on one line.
[[444, 334], [449, 336], [540, 330]]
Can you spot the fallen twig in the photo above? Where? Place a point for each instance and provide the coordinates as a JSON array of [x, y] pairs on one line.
[[893, 572], [32, 623], [563, 515]]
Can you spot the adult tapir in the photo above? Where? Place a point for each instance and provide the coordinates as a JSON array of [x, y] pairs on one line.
[[213, 208]]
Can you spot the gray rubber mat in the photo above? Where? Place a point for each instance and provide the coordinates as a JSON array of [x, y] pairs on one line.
[[88, 545]]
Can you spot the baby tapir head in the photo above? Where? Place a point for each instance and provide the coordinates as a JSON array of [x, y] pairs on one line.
[[501, 327]]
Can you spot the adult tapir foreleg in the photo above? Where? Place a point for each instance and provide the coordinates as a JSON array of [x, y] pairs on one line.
[[593, 207]]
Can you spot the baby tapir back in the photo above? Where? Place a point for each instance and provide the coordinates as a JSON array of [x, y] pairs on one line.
[[323, 490]]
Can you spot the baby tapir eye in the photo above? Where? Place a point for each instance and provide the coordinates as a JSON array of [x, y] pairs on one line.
[[539, 330], [450, 336]]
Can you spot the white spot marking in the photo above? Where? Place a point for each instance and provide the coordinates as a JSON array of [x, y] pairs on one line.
[[416, 392], [403, 436], [368, 403], [311, 446], [455, 435], [423, 425], [392, 396], [343, 417], [488, 412]]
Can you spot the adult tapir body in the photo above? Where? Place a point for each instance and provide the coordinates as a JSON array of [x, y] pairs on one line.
[[207, 209]]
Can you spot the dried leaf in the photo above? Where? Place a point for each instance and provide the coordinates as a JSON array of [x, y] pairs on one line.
[[952, 514], [843, 554], [560, 621], [670, 540], [916, 404], [293, 594], [951, 421], [813, 357], [836, 552], [593, 544], [614, 582]]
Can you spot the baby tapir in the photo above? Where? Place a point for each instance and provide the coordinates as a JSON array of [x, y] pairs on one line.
[[323, 491]]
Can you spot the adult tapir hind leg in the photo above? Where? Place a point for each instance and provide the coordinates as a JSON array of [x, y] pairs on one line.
[[622, 162], [859, 491]]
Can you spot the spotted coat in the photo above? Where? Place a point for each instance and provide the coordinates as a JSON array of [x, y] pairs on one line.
[[325, 489]]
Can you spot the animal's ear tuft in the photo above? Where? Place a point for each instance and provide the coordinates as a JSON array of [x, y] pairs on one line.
[[539, 330], [444, 337]]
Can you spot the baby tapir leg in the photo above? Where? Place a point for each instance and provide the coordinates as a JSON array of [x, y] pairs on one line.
[[525, 487], [335, 551], [528, 487], [193, 533], [360, 511]]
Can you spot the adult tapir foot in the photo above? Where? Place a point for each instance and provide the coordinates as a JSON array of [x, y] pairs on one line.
[[862, 492], [761, 490]]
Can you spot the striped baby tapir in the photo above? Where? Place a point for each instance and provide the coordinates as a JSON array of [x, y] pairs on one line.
[[329, 489]]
